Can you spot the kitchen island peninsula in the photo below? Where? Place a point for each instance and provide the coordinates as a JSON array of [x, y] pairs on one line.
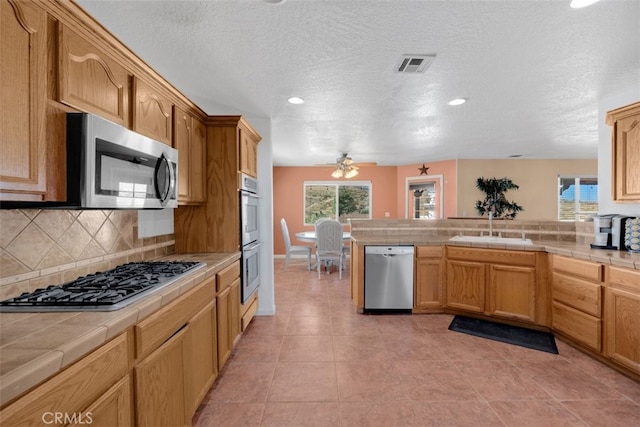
[[557, 283]]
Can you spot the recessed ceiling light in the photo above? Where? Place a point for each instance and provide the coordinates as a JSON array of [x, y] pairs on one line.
[[274, 2], [514, 156], [458, 101], [577, 4], [296, 100]]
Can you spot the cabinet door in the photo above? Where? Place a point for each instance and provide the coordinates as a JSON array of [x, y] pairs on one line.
[[234, 315], [90, 80], [159, 383], [112, 409], [626, 153], [23, 85], [429, 282], [189, 137], [182, 132], [151, 112], [622, 317], [198, 165], [200, 358], [466, 285], [512, 292], [77, 387], [248, 155], [223, 312]]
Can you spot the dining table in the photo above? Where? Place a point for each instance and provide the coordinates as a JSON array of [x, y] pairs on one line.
[[311, 237]]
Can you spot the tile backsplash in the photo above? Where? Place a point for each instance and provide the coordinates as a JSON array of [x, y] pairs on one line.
[[49, 247]]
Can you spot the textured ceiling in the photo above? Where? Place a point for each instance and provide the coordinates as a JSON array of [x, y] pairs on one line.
[[533, 71]]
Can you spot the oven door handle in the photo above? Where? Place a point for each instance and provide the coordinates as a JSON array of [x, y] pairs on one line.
[[249, 194], [249, 250]]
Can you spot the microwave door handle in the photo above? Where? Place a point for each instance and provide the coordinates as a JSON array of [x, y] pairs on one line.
[[164, 162]]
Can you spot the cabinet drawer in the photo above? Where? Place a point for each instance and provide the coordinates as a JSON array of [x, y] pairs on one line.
[[624, 277], [157, 328], [429, 251], [578, 325], [492, 256], [75, 388], [227, 276], [576, 267], [577, 293]]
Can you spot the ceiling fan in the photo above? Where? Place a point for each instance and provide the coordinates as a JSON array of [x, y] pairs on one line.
[[346, 167]]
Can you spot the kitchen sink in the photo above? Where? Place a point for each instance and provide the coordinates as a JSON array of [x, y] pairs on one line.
[[492, 239]]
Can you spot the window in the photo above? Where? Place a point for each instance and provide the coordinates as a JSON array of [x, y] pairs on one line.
[[577, 198], [336, 200]]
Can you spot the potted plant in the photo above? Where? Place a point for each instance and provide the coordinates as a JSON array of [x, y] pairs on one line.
[[495, 201]]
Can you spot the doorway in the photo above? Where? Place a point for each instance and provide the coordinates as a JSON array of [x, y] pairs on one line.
[[423, 197]]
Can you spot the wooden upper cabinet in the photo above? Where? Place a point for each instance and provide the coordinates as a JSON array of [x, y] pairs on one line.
[[90, 80], [151, 112], [23, 84], [248, 153], [189, 138], [625, 155]]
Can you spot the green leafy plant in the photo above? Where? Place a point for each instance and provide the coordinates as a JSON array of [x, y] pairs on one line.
[[495, 200]]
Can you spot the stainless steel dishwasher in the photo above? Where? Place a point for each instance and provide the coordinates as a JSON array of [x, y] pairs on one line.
[[388, 278]]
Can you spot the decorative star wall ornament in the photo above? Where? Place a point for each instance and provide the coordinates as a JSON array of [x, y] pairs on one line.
[[423, 170]]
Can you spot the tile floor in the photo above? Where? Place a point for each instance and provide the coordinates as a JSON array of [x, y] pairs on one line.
[[319, 363]]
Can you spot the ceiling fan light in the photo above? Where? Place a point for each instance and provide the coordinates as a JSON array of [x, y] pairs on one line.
[[351, 173], [337, 173]]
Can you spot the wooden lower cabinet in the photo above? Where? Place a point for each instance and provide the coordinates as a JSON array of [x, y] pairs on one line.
[[512, 292], [577, 325], [466, 285], [159, 385], [228, 310], [429, 278], [576, 292], [95, 386], [112, 409], [200, 357], [622, 317], [495, 282]]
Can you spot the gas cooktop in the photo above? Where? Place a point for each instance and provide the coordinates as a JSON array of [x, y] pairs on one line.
[[103, 291]]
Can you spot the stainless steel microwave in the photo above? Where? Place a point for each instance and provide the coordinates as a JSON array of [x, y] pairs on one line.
[[112, 167]]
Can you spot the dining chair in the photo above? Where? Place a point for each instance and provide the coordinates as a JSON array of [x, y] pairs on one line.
[[290, 249], [329, 244]]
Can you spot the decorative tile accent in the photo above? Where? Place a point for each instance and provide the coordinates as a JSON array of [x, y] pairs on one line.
[[11, 224], [30, 246], [51, 247]]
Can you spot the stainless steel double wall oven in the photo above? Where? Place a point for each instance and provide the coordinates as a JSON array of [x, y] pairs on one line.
[[250, 232]]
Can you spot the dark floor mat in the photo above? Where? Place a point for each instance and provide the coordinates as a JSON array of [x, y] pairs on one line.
[[516, 335]]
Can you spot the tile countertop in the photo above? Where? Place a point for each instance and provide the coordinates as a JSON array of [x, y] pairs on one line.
[[605, 256], [34, 346]]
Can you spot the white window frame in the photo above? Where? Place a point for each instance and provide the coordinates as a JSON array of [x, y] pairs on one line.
[[336, 184], [577, 179]]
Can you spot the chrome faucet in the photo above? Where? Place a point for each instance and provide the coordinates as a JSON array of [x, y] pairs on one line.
[[490, 223]]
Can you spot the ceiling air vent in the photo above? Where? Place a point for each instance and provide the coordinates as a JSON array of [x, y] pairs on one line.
[[413, 64]]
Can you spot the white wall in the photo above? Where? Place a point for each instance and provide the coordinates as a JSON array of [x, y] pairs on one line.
[[608, 103], [266, 294]]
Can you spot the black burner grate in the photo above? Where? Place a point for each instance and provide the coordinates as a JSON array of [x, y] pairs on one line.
[[105, 289]]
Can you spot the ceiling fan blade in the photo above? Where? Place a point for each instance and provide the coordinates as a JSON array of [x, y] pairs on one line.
[[364, 164]]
